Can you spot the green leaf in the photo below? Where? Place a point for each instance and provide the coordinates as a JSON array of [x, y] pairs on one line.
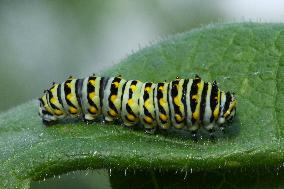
[[244, 58]]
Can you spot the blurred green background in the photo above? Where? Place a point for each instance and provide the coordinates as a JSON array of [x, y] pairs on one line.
[[46, 40]]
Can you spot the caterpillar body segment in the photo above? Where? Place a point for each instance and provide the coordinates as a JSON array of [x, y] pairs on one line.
[[177, 102], [130, 102], [113, 91], [162, 106], [92, 97], [147, 106], [70, 97], [181, 104]]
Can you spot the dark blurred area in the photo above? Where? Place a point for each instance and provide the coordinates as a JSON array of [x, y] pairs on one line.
[[45, 41]]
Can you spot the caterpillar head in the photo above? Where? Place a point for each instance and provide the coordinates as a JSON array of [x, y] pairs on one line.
[[228, 111], [44, 110]]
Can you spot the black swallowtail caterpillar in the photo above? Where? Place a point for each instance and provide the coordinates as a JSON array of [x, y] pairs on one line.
[[181, 103]]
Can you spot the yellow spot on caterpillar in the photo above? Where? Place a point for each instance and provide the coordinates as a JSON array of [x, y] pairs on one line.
[[148, 89], [133, 87], [232, 105], [178, 117], [69, 96], [113, 98], [161, 88], [73, 110], [199, 85], [112, 113], [147, 104], [92, 109], [130, 102], [47, 108], [227, 113], [148, 119], [131, 117], [92, 95], [58, 112], [216, 112], [93, 82], [195, 115], [194, 97], [163, 117], [116, 84], [162, 102], [177, 101], [53, 100]]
